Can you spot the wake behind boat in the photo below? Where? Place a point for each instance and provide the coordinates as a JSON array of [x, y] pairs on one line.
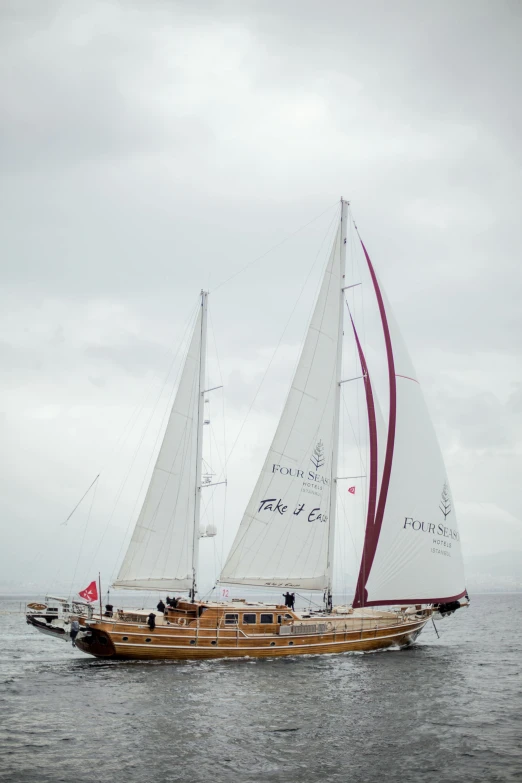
[[411, 560]]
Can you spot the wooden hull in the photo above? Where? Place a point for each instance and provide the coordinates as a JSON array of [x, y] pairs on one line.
[[125, 641]]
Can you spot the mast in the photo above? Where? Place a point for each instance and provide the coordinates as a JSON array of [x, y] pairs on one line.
[[335, 449], [199, 449]]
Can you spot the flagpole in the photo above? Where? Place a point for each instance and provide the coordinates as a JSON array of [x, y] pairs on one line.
[[99, 589]]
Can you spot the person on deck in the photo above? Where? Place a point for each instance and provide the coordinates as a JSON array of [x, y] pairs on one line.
[[288, 599], [168, 601], [291, 605], [161, 606], [75, 628], [151, 621]]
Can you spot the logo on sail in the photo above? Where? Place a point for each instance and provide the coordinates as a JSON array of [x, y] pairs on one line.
[[444, 536], [317, 458], [445, 505]]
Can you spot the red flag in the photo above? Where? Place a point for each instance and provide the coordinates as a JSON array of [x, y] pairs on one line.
[[352, 490], [90, 593]]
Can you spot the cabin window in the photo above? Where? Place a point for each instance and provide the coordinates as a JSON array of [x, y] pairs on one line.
[[148, 639], [125, 638], [290, 644], [272, 644], [213, 641], [267, 618], [249, 619], [288, 617], [231, 619], [192, 641]]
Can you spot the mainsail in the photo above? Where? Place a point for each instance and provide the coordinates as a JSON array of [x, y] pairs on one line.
[[162, 553], [412, 550], [283, 538]]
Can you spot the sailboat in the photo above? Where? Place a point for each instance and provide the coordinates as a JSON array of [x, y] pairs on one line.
[[411, 567]]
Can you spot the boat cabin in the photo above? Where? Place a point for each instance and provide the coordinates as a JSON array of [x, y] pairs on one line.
[[249, 616]]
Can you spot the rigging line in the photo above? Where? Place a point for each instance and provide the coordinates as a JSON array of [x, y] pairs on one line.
[[170, 402], [82, 541], [309, 599], [363, 463], [239, 545], [280, 341], [341, 497], [222, 552], [212, 437], [218, 559], [82, 497], [355, 246], [186, 444], [338, 233], [356, 552], [225, 458], [274, 247], [122, 486], [124, 434], [137, 410], [355, 440], [222, 394], [310, 539]]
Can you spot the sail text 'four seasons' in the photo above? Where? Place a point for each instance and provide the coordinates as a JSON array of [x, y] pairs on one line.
[[432, 529]]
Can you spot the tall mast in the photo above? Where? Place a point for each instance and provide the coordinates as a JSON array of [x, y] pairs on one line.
[[335, 450], [199, 448]]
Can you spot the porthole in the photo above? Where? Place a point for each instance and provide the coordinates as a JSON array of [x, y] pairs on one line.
[[272, 644], [290, 644], [192, 641], [213, 641], [125, 638], [148, 639]]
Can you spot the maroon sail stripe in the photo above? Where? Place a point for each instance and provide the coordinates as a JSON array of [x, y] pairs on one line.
[[372, 494], [398, 601], [398, 375], [373, 532]]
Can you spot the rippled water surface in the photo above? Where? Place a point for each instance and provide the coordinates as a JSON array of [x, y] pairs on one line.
[[448, 709]]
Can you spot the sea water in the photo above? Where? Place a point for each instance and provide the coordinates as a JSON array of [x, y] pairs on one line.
[[447, 709]]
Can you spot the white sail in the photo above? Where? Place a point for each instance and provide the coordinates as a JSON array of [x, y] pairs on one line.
[[282, 540], [417, 553], [161, 552]]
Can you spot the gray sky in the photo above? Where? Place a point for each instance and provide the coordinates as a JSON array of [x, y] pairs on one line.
[[150, 149]]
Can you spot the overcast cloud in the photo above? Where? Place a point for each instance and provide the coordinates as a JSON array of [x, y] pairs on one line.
[[149, 149]]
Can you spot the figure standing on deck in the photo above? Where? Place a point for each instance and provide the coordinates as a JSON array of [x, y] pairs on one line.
[[75, 628]]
